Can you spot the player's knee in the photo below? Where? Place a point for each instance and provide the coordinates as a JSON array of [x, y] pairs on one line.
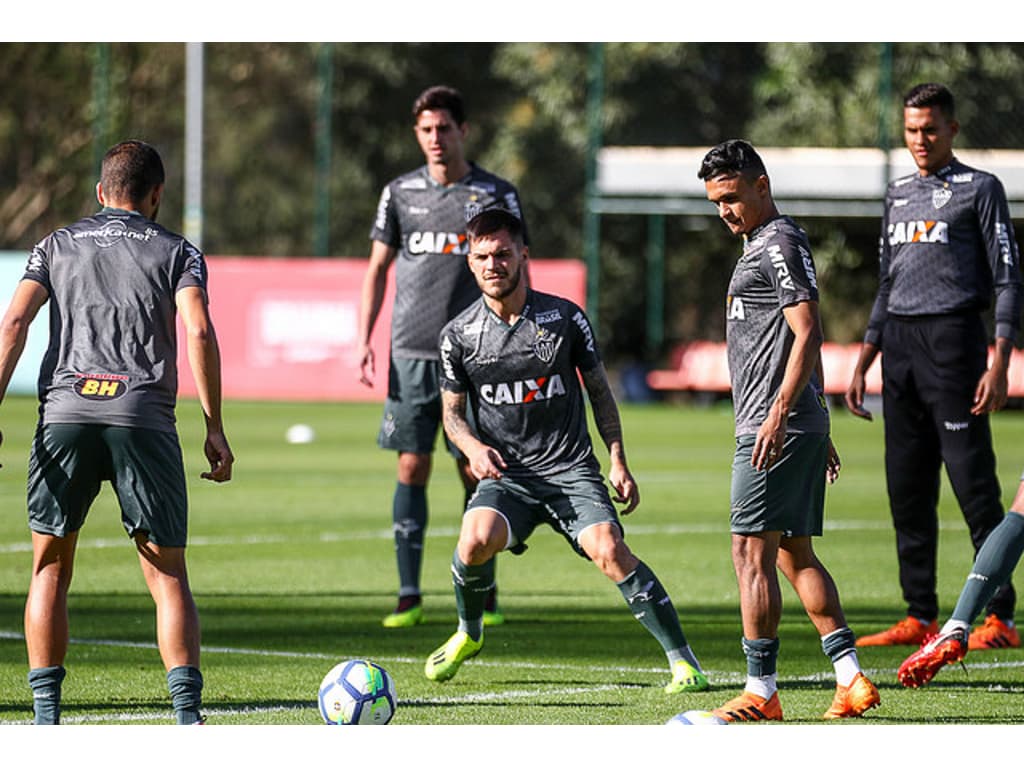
[[607, 551], [414, 468], [480, 539]]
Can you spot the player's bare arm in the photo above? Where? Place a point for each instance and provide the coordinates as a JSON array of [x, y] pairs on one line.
[[28, 299], [484, 461], [609, 426], [858, 382], [993, 387], [804, 355], [204, 358], [372, 298]]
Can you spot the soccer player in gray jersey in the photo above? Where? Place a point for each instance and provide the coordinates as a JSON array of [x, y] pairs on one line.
[[420, 226], [947, 243], [512, 360], [116, 282], [783, 450]]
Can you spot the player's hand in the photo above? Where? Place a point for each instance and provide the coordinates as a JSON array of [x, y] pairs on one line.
[[626, 490], [855, 397], [218, 453], [770, 439], [991, 392], [367, 364], [487, 463], [832, 463]]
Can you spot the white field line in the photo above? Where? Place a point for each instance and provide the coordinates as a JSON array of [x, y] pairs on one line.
[[445, 532], [510, 695]]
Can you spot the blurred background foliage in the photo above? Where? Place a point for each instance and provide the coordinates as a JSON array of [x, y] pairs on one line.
[[64, 104]]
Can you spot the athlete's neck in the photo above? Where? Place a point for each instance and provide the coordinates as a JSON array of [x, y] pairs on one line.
[[509, 308], [448, 172]]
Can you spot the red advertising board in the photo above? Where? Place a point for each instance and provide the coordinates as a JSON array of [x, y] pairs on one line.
[[287, 327]]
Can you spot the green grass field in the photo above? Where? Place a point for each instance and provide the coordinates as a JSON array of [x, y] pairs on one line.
[[292, 567]]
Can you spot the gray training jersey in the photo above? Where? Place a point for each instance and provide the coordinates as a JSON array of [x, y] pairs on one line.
[[947, 241], [521, 382], [426, 222], [774, 272], [112, 356]]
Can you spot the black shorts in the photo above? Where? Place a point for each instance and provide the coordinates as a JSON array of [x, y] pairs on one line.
[[69, 462]]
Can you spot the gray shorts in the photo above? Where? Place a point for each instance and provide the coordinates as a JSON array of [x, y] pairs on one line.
[[69, 462], [570, 503], [412, 411], [789, 497]]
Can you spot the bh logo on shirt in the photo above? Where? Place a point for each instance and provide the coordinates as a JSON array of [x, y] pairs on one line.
[[100, 386]]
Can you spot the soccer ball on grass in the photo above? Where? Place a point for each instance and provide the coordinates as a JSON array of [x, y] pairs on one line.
[[357, 692], [696, 717]]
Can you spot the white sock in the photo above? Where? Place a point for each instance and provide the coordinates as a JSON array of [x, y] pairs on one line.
[[847, 667], [953, 624], [762, 686]]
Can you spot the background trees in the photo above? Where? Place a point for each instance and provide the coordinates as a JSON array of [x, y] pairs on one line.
[[65, 103]]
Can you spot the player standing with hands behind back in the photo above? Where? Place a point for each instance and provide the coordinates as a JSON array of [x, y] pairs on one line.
[[421, 227], [107, 387]]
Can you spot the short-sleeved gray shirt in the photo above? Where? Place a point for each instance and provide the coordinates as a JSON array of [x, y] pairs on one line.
[[112, 355], [774, 272], [426, 222], [522, 384]]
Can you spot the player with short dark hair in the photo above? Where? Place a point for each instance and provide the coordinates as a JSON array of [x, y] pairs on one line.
[[947, 244], [514, 359], [117, 282], [420, 227], [784, 453]]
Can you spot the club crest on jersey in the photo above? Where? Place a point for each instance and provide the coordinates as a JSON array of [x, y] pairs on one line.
[[100, 386], [544, 345], [473, 207], [941, 196], [525, 391]]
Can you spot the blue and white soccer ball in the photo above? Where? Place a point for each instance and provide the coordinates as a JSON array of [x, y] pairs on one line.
[[357, 692], [696, 717]]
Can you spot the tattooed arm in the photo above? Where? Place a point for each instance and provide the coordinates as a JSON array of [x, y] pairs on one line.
[[484, 461], [606, 416]]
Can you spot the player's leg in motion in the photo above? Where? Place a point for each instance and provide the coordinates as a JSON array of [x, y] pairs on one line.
[[648, 601], [177, 625], [995, 562], [409, 516], [855, 693], [493, 615], [484, 534], [46, 622]]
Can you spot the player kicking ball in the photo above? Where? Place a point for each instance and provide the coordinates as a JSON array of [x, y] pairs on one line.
[[513, 358]]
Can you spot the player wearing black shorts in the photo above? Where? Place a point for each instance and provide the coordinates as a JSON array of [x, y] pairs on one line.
[[783, 449], [420, 227], [116, 283], [947, 242], [511, 359]]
